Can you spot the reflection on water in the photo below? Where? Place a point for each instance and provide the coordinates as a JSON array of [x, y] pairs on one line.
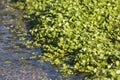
[[12, 49], [15, 63]]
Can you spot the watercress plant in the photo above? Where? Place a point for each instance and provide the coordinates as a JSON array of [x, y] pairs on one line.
[[79, 37]]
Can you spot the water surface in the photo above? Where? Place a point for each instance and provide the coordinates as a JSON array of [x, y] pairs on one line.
[[15, 62]]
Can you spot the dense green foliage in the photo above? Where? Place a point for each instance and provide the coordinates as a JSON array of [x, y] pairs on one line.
[[79, 37]]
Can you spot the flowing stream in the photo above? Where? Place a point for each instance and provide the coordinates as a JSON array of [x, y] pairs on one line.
[[14, 56]]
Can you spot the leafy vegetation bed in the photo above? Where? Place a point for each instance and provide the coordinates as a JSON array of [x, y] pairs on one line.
[[79, 37]]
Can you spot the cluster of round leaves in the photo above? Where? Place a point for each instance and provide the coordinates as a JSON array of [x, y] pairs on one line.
[[79, 37]]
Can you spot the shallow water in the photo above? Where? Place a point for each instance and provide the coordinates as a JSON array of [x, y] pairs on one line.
[[15, 63]]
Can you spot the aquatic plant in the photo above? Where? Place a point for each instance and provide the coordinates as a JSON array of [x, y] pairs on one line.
[[79, 37]]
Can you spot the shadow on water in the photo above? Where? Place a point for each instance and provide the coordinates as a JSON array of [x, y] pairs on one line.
[[15, 62]]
